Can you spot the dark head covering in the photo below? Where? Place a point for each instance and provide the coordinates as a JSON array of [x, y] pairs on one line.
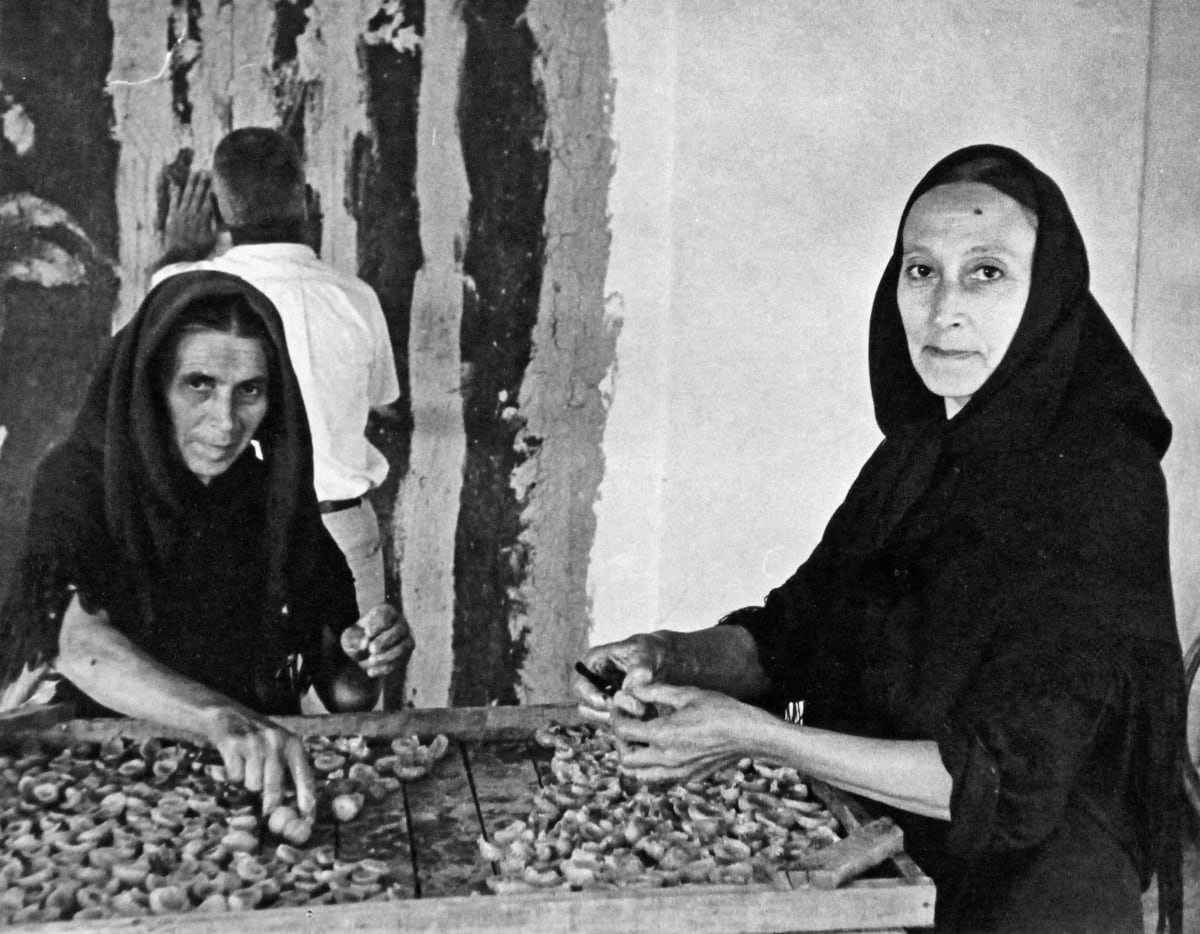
[[121, 461], [1067, 383], [1024, 395]]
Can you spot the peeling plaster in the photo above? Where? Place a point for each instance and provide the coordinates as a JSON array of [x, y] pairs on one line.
[[574, 346], [335, 114], [146, 128], [427, 513], [388, 27], [18, 127]]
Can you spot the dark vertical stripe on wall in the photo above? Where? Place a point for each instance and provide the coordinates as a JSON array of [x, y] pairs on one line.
[[291, 95], [54, 61], [384, 202], [502, 116]]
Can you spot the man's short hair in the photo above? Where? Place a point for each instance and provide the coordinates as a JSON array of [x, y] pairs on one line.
[[258, 178]]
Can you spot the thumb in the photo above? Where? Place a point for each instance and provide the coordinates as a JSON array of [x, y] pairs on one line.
[[659, 694], [637, 675]]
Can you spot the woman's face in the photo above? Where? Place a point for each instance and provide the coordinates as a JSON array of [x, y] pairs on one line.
[[964, 281], [217, 398]]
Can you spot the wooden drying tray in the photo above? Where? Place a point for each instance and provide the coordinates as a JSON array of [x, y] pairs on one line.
[[486, 781]]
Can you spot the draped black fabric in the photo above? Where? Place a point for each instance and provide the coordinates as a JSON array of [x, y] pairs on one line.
[[226, 583], [999, 583]]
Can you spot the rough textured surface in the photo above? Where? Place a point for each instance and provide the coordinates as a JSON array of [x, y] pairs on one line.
[[382, 199], [574, 344], [501, 114], [57, 235], [427, 507]]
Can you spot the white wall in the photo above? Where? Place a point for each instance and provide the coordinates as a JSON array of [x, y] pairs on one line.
[[765, 151]]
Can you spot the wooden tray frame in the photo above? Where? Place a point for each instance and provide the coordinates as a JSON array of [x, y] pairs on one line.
[[902, 899]]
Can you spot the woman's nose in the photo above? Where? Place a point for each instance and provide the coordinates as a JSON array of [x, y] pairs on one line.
[[221, 415], [945, 310]]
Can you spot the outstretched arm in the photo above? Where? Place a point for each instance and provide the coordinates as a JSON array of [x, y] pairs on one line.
[[699, 732], [103, 663]]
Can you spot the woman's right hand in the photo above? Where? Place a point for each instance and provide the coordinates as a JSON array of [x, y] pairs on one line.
[[640, 659], [263, 756]]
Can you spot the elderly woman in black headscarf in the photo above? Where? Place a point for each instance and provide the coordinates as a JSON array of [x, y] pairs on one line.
[[176, 568], [984, 639]]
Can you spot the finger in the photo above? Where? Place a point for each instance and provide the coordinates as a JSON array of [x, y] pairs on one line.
[[594, 715], [189, 191], [660, 694], [377, 669], [272, 785], [632, 728], [302, 777], [636, 674], [379, 618], [235, 764], [254, 765], [589, 696], [653, 774], [386, 639], [629, 705], [390, 659]]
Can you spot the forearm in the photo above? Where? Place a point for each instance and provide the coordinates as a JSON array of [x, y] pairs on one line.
[[907, 774], [108, 667], [721, 658]]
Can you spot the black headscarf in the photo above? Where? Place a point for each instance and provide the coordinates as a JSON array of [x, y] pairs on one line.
[[999, 582], [1066, 370], [1022, 398], [122, 446]]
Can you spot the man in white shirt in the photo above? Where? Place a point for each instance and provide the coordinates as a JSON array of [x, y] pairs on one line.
[[336, 334]]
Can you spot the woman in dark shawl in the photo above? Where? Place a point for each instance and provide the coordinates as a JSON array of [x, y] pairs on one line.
[[176, 567], [984, 639]]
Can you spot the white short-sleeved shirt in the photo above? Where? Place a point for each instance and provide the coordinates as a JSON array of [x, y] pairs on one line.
[[338, 341]]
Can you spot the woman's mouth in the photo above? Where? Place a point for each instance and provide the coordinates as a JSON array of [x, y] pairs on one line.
[[940, 353]]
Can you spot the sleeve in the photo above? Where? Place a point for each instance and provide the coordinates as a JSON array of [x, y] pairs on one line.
[[783, 627], [66, 551], [1018, 746], [384, 385], [1065, 701], [789, 621], [323, 596]]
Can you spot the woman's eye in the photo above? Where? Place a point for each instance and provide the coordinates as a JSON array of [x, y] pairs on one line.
[[919, 271], [988, 273], [252, 392], [198, 383]]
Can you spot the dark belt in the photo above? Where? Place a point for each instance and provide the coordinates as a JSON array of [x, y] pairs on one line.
[[337, 505]]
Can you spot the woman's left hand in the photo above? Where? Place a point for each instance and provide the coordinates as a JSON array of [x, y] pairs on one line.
[[380, 642], [696, 733]]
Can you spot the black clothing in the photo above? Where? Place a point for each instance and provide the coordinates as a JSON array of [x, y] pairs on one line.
[[227, 583], [999, 583]]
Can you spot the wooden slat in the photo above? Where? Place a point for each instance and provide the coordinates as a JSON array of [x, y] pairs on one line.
[[380, 831], [443, 828], [850, 811], [504, 778], [14, 723], [863, 848], [697, 910], [491, 723], [445, 825]]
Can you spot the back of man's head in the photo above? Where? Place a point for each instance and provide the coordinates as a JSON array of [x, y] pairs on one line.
[[258, 179]]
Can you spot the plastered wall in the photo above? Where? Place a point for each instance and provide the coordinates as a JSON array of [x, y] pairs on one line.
[[626, 252], [763, 156]]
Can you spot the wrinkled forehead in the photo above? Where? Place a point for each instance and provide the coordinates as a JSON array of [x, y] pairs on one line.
[[968, 210]]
